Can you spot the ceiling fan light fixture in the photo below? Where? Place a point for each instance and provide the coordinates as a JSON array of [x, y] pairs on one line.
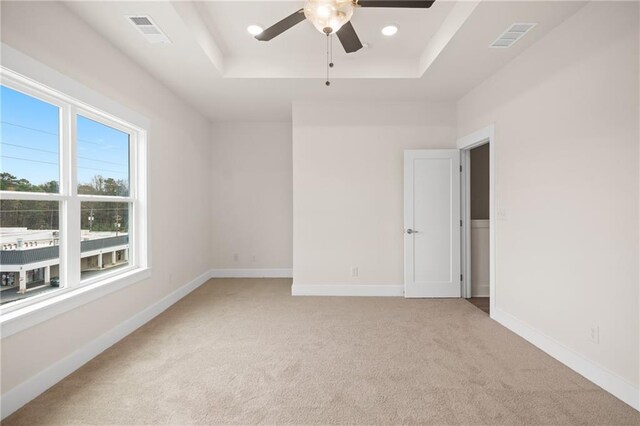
[[254, 30], [389, 30], [323, 11], [328, 16]]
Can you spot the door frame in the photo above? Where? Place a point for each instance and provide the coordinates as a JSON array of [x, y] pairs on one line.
[[465, 144]]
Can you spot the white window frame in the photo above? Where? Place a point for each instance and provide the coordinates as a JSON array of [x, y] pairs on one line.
[[22, 314]]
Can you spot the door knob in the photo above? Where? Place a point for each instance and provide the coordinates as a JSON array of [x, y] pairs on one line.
[[411, 231]]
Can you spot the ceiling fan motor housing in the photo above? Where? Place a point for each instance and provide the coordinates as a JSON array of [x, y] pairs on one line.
[[328, 16]]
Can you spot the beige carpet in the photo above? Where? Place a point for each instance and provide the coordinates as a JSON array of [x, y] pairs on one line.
[[245, 351]]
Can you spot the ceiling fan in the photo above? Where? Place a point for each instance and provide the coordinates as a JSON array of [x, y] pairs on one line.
[[333, 16]]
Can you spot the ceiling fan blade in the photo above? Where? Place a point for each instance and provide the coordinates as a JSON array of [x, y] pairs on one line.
[[418, 4], [349, 39], [282, 26]]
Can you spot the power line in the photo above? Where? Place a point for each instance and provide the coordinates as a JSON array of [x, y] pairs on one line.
[[29, 128], [27, 147], [56, 153], [55, 134], [55, 164], [29, 160], [103, 161]]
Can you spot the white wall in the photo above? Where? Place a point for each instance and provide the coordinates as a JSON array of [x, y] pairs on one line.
[[480, 258], [252, 196], [348, 186], [566, 118], [179, 213]]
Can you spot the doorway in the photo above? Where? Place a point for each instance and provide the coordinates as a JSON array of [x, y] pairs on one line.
[[479, 241], [478, 237], [438, 224]]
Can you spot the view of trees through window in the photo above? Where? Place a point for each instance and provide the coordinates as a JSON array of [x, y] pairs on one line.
[[103, 159], [30, 226]]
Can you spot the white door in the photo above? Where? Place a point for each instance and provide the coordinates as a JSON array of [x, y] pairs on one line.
[[432, 223]]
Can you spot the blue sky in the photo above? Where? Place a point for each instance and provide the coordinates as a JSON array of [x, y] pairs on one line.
[[29, 142]]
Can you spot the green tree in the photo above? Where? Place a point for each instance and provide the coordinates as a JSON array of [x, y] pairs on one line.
[[45, 214]]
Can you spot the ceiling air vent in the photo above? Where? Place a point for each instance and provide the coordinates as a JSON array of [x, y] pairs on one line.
[[514, 33], [149, 30]]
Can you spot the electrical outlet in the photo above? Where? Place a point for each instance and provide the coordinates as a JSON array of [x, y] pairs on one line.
[[354, 271], [253, 258], [235, 257], [594, 334]]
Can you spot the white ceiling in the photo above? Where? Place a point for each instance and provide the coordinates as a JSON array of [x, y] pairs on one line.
[[301, 51], [215, 65]]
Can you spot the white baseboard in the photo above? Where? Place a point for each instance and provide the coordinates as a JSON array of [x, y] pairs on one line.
[[252, 273], [15, 398], [480, 290], [346, 290], [599, 375]]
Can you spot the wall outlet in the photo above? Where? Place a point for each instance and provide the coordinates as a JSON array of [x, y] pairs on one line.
[[594, 334], [236, 257], [253, 258], [354, 271]]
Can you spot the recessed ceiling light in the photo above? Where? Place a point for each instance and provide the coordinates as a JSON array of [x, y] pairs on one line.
[[389, 30], [254, 30]]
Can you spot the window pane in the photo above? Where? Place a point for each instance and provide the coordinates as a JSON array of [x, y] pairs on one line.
[[105, 237], [103, 159], [30, 255], [30, 140]]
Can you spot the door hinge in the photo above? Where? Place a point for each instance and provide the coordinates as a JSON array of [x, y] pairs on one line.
[[461, 277], [460, 168], [460, 222]]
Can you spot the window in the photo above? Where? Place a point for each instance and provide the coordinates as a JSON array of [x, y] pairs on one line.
[[72, 189], [103, 159]]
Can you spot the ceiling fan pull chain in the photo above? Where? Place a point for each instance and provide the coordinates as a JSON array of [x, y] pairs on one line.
[[328, 83], [331, 52]]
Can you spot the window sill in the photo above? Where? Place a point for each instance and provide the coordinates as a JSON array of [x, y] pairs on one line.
[[31, 315]]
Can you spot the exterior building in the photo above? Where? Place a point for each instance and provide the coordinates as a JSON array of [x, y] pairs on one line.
[[30, 259]]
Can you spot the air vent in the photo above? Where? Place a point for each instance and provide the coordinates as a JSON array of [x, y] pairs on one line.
[[148, 28], [141, 20], [514, 33]]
